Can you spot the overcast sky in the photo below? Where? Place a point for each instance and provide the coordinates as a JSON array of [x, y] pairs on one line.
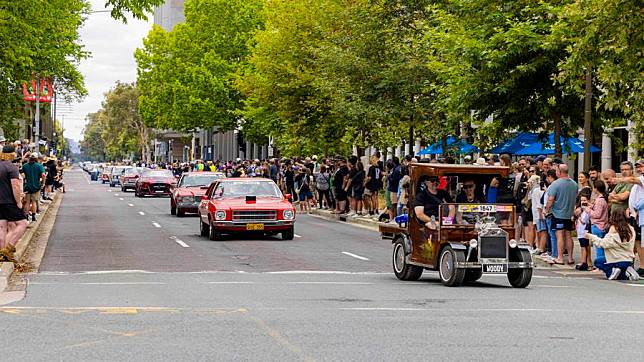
[[111, 44]]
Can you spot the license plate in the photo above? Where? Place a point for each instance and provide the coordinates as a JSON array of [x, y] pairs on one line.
[[254, 226], [495, 268]]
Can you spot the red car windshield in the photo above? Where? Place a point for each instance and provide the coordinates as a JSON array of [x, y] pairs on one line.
[[247, 188], [158, 173], [197, 180]]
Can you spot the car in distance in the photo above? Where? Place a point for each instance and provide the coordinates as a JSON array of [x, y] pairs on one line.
[[191, 187], [236, 205], [155, 183], [115, 176], [106, 174], [129, 177]]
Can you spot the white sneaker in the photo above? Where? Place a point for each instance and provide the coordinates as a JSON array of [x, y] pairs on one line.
[[632, 273], [615, 273]]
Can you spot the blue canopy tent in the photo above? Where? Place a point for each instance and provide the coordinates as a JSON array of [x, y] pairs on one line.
[[453, 143], [568, 145], [519, 142]]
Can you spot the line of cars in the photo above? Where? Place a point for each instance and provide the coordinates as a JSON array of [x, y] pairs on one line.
[[224, 205]]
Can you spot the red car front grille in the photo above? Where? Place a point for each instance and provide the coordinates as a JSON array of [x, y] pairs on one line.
[[254, 215]]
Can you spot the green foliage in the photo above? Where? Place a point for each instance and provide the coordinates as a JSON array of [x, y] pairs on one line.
[[39, 38], [138, 8], [117, 130], [187, 76]]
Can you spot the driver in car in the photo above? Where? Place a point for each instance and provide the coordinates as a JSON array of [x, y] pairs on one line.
[[469, 195], [428, 200]]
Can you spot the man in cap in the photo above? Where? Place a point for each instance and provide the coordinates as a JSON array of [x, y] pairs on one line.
[[34, 179], [13, 221]]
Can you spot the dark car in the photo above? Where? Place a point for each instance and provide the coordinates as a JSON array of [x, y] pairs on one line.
[[191, 187], [236, 205], [155, 183]]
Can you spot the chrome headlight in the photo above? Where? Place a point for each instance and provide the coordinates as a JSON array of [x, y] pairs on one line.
[[474, 243], [220, 215], [288, 214], [512, 243]]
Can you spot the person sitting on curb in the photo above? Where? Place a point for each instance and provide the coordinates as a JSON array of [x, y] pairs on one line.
[[618, 246]]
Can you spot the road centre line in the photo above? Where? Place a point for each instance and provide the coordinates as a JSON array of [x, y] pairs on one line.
[[116, 194], [297, 236], [179, 241], [130, 205], [141, 213], [122, 199], [156, 224], [100, 283], [354, 255], [230, 282], [109, 190]]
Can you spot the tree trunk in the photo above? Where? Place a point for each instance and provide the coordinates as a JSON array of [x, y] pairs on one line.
[[556, 116], [588, 118], [444, 145]]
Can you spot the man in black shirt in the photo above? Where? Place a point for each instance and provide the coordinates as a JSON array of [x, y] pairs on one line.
[[428, 200], [339, 182], [13, 222]]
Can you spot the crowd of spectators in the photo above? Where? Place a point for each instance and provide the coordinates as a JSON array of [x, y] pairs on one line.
[[553, 208], [27, 180]]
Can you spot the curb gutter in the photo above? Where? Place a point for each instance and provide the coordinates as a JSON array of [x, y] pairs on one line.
[[6, 268]]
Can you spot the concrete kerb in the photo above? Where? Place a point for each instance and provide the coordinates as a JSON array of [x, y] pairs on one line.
[[6, 269], [373, 225]]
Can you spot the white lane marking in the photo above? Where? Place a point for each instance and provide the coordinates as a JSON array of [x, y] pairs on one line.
[[230, 282], [354, 255], [109, 190], [141, 213], [124, 271], [130, 205], [333, 283], [100, 283], [156, 224], [86, 179], [297, 236], [322, 272], [116, 194], [634, 285], [503, 310], [122, 199], [179, 241]]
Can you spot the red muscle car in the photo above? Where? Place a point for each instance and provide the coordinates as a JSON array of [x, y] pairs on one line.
[[191, 187], [235, 205], [155, 183]]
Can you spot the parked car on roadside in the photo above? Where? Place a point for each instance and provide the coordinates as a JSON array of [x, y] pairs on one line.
[[191, 187], [236, 205], [155, 183]]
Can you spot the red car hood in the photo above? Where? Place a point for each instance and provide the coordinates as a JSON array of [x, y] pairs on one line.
[[190, 191], [261, 203]]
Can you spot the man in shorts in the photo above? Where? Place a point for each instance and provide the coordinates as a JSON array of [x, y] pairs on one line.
[[34, 179], [13, 223], [562, 195]]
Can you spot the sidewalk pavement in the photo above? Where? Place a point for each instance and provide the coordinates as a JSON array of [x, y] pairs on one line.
[[6, 268], [372, 223]]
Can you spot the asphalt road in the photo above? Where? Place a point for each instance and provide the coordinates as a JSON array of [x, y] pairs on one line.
[[121, 279]]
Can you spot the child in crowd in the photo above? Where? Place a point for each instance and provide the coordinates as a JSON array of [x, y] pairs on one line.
[[582, 226]]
